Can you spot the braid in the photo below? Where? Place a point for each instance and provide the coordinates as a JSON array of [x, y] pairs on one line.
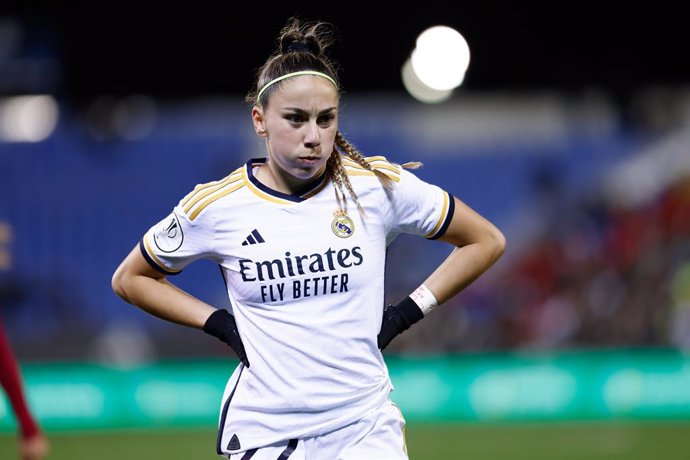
[[342, 181], [336, 173], [358, 158]]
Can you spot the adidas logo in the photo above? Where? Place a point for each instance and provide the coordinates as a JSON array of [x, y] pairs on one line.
[[234, 443], [253, 238]]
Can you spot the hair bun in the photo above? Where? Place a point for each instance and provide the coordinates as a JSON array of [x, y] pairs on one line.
[[298, 47]]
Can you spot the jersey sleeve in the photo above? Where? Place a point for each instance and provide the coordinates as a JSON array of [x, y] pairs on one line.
[[176, 241], [420, 208]]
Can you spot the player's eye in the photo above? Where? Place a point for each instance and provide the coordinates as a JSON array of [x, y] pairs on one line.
[[326, 120], [294, 118]]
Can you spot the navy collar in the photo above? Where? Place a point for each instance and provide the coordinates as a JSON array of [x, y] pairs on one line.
[[300, 195]]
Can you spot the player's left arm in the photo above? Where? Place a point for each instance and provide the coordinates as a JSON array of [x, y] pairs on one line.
[[478, 245]]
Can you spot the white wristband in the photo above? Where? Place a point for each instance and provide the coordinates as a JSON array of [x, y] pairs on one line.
[[424, 299]]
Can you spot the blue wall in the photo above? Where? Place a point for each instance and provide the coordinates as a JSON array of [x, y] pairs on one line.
[[79, 205]]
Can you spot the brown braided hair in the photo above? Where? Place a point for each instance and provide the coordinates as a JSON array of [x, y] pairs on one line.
[[301, 46]]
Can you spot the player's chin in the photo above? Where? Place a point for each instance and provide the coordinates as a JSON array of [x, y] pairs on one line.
[[307, 168]]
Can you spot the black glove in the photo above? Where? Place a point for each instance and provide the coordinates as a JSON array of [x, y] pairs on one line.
[[222, 324], [398, 318]]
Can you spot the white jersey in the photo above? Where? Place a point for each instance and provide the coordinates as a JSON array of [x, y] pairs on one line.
[[306, 286]]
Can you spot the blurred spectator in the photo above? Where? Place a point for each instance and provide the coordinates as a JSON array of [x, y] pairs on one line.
[[33, 445], [601, 275], [592, 274]]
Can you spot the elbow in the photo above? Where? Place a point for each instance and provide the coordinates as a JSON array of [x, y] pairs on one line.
[[498, 244], [118, 283]]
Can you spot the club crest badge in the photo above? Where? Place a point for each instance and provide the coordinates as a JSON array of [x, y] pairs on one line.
[[342, 225], [168, 236]]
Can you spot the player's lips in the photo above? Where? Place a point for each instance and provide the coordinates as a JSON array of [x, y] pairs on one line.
[[309, 159]]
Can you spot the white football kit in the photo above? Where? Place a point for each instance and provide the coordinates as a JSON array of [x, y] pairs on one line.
[[306, 286]]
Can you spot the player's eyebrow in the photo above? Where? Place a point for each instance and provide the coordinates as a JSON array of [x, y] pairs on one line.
[[299, 111]]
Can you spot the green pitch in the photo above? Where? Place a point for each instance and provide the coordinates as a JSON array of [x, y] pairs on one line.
[[554, 441]]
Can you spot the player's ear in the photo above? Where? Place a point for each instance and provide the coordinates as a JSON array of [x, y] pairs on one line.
[[258, 121]]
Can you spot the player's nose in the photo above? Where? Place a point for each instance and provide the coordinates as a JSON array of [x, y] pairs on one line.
[[312, 136]]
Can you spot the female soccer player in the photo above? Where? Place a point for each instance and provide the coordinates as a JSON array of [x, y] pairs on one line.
[[300, 237]]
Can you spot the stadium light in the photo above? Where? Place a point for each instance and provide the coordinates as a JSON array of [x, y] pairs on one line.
[[441, 58], [28, 118], [419, 90]]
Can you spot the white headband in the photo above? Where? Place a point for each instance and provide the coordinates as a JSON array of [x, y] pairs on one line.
[[294, 74]]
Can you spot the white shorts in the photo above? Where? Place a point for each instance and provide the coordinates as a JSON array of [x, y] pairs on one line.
[[380, 435]]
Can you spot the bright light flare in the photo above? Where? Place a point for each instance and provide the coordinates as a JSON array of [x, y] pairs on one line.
[[28, 118], [441, 58], [419, 90]]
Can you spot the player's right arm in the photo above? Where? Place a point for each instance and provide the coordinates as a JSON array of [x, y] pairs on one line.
[[165, 249], [139, 284]]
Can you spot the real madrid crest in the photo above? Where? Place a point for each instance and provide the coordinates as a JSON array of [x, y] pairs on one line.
[[342, 225]]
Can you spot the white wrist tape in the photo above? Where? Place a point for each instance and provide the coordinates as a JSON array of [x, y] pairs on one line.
[[424, 299]]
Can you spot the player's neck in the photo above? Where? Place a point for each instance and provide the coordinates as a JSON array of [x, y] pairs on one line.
[[280, 181]]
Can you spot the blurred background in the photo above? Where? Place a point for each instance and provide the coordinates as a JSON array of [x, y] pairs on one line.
[[570, 131]]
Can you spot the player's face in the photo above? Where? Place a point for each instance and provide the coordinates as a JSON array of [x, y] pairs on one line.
[[299, 123]]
